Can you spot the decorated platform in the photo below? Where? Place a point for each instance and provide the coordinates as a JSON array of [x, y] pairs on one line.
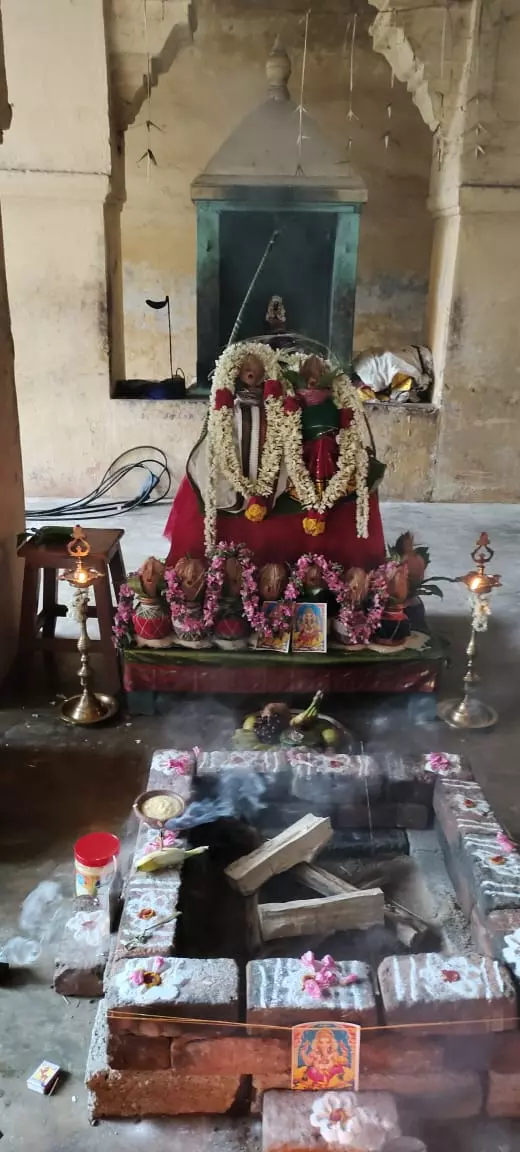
[[412, 669], [278, 578]]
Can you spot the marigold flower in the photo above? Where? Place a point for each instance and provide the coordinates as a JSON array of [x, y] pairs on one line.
[[314, 524], [256, 510]]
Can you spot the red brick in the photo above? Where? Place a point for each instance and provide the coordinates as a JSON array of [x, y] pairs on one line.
[[396, 1054], [461, 1098], [506, 1053], [231, 1055], [192, 988], [503, 1098], [459, 1092], [472, 1053], [160, 1092], [138, 1052], [472, 991]]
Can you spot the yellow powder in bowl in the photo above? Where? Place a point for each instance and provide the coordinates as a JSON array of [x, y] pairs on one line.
[[160, 807]]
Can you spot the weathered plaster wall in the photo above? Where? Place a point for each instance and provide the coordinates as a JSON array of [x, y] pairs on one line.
[[211, 86], [63, 176], [11, 488], [60, 166]]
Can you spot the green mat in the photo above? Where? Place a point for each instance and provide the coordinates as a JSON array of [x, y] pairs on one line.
[[437, 650]]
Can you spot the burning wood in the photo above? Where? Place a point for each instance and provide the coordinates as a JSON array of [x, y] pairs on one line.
[[301, 842], [325, 916], [409, 905]]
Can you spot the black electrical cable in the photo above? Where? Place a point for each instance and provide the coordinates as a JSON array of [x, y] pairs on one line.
[[154, 488]]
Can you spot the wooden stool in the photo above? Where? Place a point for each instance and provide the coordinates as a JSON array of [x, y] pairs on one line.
[[37, 629]]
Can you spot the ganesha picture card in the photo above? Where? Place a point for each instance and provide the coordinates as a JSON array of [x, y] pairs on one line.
[[325, 1056]]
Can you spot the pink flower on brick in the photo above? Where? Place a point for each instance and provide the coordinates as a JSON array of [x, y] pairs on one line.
[[313, 989], [180, 765], [438, 762], [326, 978], [309, 959], [158, 964], [328, 961], [137, 977], [505, 843], [351, 979]]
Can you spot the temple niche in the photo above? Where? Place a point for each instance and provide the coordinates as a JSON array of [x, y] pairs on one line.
[[278, 213]]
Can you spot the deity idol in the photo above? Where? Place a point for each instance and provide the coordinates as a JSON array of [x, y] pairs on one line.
[[281, 465]]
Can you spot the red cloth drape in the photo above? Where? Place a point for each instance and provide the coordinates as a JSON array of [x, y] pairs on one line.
[[277, 538]]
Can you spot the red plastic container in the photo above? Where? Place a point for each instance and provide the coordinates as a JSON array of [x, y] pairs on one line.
[[95, 861]]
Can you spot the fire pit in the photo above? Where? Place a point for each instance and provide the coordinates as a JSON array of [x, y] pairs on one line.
[[311, 857]]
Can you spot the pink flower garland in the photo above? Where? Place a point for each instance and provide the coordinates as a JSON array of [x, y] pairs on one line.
[[122, 632], [359, 624], [179, 605], [249, 595], [332, 575]]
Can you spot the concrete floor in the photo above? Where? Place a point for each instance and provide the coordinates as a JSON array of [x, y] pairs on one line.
[[58, 783]]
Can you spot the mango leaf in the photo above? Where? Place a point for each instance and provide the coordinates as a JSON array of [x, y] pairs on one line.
[[292, 376], [430, 590], [424, 553]]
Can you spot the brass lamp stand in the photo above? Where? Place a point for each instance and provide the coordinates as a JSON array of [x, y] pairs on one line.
[[470, 712], [89, 707]]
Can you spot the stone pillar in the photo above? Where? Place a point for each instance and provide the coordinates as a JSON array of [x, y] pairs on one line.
[[11, 489], [478, 452], [461, 70], [54, 181]]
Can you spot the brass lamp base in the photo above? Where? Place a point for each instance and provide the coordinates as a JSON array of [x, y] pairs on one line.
[[467, 713], [88, 708]]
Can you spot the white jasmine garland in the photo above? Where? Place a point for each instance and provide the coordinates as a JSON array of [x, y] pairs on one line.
[[222, 451], [352, 466]]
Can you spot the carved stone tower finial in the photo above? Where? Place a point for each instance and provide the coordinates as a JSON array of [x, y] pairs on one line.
[[278, 71]]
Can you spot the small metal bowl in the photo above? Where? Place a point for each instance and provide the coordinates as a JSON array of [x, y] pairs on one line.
[[150, 820]]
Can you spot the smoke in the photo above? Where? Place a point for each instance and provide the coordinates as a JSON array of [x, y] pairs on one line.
[[42, 919], [238, 794]]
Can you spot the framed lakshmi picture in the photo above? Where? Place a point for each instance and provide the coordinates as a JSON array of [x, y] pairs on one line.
[[273, 643], [325, 1056], [309, 630]]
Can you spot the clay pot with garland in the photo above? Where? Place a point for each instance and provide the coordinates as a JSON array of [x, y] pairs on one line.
[[188, 624], [151, 616], [231, 630]]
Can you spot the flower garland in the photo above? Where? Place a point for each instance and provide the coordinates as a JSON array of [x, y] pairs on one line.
[[121, 630], [332, 575], [360, 624], [270, 627], [180, 605], [352, 466], [222, 450]]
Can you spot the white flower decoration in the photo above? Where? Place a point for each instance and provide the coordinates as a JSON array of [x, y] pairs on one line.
[[129, 987], [342, 1122], [511, 951], [89, 928], [471, 807]]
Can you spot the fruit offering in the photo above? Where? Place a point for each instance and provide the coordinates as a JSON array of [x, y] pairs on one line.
[[279, 726]]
